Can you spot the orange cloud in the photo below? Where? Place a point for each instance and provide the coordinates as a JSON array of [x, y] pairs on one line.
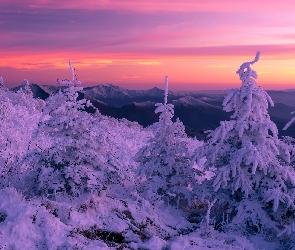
[[43, 61], [129, 77]]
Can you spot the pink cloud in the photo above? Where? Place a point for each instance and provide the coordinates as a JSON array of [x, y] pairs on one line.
[[273, 51], [160, 5]]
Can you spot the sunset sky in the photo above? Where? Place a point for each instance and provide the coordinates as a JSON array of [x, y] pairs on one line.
[[198, 44]]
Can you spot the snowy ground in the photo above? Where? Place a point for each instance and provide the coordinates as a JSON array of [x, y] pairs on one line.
[[108, 221]]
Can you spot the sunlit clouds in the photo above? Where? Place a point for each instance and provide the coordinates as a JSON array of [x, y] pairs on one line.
[[199, 44]]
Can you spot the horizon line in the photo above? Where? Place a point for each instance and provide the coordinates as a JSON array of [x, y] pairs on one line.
[[154, 86]]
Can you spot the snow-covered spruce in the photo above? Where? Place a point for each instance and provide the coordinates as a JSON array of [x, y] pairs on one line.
[[164, 163], [253, 172]]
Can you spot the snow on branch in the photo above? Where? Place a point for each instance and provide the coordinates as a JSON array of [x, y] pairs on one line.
[[25, 83], [166, 90], [248, 75], [290, 122], [74, 80]]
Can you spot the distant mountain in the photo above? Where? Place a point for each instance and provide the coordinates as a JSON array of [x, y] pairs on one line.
[[286, 97], [191, 101], [198, 116], [199, 111], [118, 97], [280, 114]]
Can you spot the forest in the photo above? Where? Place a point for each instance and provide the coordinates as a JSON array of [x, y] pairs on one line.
[[73, 179]]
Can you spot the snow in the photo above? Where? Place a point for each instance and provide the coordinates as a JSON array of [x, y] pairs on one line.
[[144, 104], [191, 101], [166, 90]]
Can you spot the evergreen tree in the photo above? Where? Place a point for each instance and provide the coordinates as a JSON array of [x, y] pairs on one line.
[[164, 163], [251, 161]]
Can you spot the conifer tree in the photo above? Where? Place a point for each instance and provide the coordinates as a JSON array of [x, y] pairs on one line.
[[164, 163], [251, 161]]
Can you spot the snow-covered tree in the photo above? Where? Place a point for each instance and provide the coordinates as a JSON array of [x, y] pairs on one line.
[[251, 161], [164, 163]]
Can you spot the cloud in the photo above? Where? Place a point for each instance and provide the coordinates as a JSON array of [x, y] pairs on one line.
[[129, 77], [60, 26], [270, 51], [217, 66], [84, 30], [289, 72], [155, 5], [290, 36], [82, 61]]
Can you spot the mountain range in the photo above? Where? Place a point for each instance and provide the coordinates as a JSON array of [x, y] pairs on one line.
[[198, 110]]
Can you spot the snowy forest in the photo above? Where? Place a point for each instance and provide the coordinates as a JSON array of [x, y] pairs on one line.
[[74, 179]]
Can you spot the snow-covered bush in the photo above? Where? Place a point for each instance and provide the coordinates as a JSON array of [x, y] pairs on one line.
[[69, 163], [19, 116], [119, 141], [79, 152], [252, 163]]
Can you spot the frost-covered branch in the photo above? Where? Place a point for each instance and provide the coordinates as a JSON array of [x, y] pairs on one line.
[[74, 80], [290, 122], [247, 75], [210, 205], [26, 86], [1, 82], [166, 90], [25, 83]]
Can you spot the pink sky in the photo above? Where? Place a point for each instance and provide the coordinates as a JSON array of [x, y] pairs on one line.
[[198, 44]]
